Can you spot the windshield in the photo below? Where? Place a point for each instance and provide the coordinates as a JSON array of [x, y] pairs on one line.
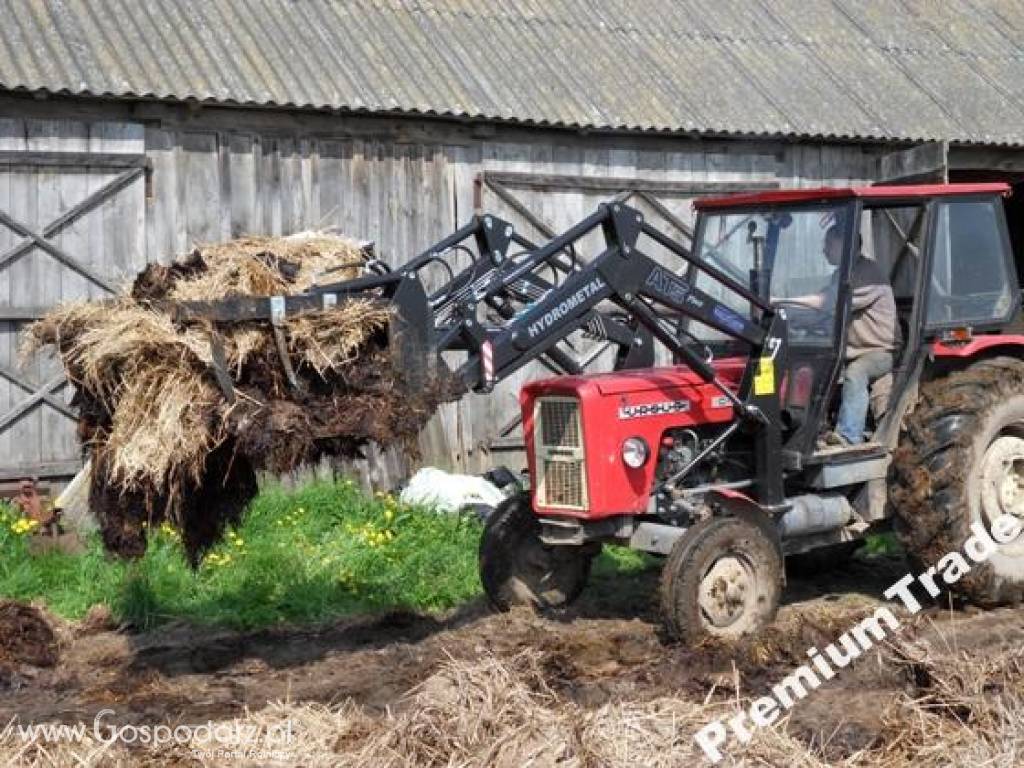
[[799, 251]]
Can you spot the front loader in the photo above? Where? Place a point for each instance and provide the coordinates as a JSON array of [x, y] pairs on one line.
[[713, 461]]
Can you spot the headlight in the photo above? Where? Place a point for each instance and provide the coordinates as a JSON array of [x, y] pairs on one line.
[[635, 452]]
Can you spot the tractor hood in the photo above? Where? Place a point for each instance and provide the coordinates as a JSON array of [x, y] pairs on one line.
[[668, 378], [675, 377]]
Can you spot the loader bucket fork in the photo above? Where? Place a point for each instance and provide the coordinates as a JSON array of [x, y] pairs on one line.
[[412, 340], [424, 323]]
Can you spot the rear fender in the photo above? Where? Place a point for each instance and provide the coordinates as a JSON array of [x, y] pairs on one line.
[[979, 347]]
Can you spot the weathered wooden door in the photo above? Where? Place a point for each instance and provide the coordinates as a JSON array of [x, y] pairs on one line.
[[72, 214], [540, 205]]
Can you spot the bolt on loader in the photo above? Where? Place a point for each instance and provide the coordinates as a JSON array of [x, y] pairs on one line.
[[711, 458]]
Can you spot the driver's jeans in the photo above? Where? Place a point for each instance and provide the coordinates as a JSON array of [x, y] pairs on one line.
[[857, 379]]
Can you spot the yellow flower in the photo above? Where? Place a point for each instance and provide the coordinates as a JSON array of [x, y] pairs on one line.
[[220, 559], [24, 525], [239, 542]]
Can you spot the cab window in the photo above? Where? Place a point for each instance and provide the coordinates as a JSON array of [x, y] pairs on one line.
[[970, 281], [792, 246]]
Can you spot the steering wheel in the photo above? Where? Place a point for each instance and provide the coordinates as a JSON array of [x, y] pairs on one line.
[[807, 320]]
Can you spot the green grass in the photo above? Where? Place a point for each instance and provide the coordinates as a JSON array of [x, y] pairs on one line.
[[311, 555], [882, 544], [314, 554], [620, 561]]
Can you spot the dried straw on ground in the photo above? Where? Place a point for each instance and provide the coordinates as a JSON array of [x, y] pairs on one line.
[[165, 441], [500, 712]]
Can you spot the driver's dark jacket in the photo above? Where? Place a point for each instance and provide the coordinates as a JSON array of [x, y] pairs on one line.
[[873, 325]]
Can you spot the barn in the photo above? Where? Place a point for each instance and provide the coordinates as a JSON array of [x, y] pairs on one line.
[[130, 131]]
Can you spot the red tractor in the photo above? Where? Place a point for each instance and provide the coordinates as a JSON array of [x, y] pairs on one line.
[[712, 458], [715, 462]]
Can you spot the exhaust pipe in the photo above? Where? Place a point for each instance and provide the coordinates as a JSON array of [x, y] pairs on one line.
[[814, 514]]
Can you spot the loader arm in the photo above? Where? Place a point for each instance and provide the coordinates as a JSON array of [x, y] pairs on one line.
[[536, 299], [622, 275], [431, 315], [496, 281]]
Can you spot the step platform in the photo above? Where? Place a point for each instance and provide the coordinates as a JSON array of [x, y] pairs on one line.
[[842, 453]]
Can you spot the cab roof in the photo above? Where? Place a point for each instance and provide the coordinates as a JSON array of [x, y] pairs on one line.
[[779, 196]]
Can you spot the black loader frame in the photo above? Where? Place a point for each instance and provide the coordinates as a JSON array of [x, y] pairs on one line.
[[537, 298]]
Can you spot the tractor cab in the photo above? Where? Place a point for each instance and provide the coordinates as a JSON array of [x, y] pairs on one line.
[[943, 250]]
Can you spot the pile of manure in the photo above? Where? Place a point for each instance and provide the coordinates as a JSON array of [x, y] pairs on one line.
[[169, 442]]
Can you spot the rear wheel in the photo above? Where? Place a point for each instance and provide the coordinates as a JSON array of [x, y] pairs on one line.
[[517, 568], [723, 578], [961, 461]]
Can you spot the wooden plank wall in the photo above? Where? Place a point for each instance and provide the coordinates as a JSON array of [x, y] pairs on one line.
[[212, 183], [108, 240]]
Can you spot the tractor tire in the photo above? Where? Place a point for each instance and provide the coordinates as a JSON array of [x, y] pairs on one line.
[[517, 568], [723, 578], [960, 461]]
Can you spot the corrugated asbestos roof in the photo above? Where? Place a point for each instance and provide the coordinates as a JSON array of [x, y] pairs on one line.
[[870, 69]]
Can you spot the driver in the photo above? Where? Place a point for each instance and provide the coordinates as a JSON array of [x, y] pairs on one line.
[[872, 338]]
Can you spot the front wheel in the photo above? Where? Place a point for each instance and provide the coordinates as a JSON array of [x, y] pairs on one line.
[[723, 578], [517, 568]]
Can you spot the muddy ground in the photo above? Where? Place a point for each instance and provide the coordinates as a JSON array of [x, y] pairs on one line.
[[610, 645]]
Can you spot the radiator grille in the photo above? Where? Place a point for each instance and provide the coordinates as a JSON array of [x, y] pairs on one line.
[[560, 424], [563, 483], [560, 459]]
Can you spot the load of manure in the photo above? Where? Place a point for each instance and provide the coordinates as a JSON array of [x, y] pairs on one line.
[[168, 443]]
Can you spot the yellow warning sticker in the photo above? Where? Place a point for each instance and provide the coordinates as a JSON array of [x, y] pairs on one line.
[[764, 381]]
